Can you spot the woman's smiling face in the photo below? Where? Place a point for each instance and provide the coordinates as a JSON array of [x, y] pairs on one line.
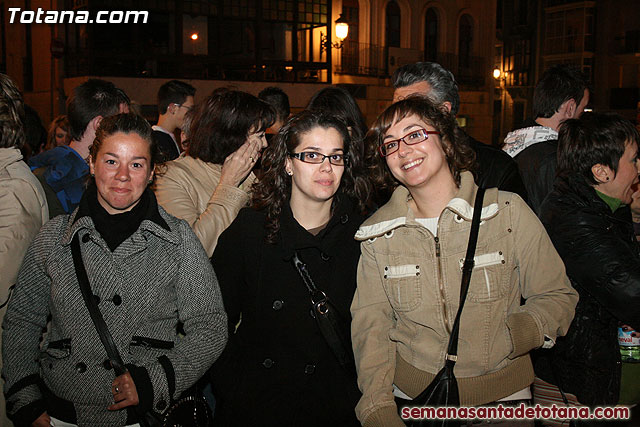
[[122, 170], [419, 164]]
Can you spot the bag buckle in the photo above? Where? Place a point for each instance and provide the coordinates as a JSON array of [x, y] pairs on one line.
[[451, 357], [319, 300]]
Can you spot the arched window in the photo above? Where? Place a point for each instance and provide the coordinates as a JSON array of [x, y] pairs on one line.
[[431, 36], [465, 41], [392, 25]]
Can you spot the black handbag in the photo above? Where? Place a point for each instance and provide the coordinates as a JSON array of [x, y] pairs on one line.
[[191, 410], [330, 321], [443, 390]]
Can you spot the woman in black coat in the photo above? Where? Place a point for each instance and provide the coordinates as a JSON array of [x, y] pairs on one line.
[[278, 368], [586, 218]]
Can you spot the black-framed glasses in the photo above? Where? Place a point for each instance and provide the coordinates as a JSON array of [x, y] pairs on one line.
[[336, 159], [414, 137]]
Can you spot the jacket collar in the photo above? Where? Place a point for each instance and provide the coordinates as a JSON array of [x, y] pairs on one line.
[[294, 237], [396, 213], [9, 156], [154, 222]]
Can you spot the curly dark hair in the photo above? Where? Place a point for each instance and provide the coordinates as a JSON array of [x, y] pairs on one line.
[[455, 143], [272, 191], [221, 124]]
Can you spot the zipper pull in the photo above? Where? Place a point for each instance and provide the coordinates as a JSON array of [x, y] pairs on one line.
[[437, 246]]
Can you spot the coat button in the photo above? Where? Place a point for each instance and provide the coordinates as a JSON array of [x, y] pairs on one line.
[[309, 369], [324, 256], [161, 405], [81, 367], [106, 364], [86, 238], [277, 305], [117, 299], [268, 363], [344, 219]]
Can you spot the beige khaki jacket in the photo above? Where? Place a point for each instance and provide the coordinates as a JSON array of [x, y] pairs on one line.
[[23, 210], [409, 289], [190, 189]]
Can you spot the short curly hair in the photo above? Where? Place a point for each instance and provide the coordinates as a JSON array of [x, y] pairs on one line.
[[12, 132], [455, 143]]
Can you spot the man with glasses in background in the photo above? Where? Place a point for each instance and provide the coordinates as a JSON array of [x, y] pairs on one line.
[[175, 99]]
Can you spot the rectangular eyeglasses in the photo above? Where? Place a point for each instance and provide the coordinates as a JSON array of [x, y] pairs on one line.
[[414, 137], [336, 159]]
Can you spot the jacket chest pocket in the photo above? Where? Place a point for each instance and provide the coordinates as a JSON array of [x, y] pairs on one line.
[[489, 277], [401, 280]]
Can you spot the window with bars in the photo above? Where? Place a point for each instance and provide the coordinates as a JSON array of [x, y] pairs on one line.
[[262, 40]]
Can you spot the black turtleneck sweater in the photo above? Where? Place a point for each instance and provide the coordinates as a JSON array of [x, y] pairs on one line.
[[116, 228]]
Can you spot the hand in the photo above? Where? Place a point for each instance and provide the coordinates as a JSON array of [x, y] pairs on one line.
[[238, 165], [44, 420], [124, 392]]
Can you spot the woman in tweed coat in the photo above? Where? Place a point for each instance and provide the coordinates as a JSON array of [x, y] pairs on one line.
[[147, 271]]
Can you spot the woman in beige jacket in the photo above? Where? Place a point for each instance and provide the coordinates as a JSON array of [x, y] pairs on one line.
[[23, 205], [208, 187], [409, 274]]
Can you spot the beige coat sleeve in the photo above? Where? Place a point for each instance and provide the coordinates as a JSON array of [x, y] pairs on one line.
[[374, 352], [20, 220], [550, 300], [175, 194]]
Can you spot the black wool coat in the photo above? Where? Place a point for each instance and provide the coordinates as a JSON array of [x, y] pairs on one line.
[[277, 368], [602, 259]]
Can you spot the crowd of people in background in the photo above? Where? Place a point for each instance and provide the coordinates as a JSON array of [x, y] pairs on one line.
[[197, 239]]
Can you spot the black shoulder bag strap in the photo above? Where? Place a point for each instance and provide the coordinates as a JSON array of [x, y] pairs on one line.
[[98, 321], [467, 269], [94, 311], [328, 318]]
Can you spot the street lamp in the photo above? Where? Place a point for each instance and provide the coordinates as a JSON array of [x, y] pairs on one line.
[[342, 31], [501, 77]]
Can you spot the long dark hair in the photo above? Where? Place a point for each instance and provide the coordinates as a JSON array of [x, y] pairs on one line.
[[223, 121], [272, 191]]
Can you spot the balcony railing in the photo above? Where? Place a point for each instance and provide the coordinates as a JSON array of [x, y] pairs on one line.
[[371, 60], [469, 71], [362, 59]]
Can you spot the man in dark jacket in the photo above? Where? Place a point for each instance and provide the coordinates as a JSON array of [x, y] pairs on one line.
[[494, 168], [175, 99], [586, 218], [561, 94]]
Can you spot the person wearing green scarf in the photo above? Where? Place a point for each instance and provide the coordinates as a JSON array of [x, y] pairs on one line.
[[588, 219]]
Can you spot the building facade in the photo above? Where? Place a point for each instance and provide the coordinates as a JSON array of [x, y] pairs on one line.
[[251, 44]]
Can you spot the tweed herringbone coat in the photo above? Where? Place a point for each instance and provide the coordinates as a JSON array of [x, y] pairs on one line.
[[157, 276]]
